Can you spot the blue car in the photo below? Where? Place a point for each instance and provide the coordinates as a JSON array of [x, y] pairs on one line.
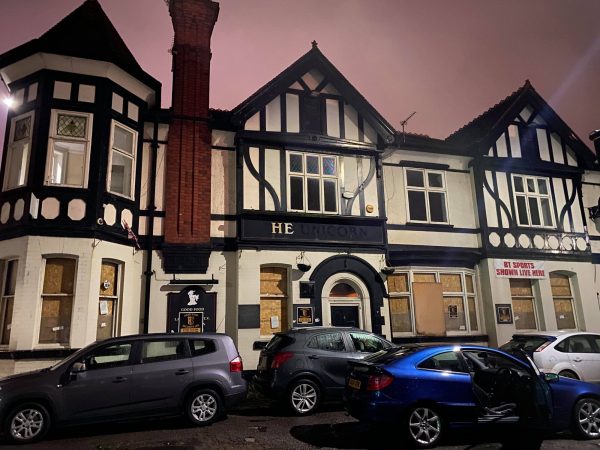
[[428, 389]]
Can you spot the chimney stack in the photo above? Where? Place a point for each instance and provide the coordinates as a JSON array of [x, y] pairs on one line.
[[188, 162]]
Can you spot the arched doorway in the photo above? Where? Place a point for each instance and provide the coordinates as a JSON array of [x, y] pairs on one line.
[[346, 302]]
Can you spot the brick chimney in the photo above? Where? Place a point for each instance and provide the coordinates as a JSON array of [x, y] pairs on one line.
[[186, 248]]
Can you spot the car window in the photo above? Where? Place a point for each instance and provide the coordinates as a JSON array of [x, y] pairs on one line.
[[164, 350], [481, 359], [329, 341], [447, 361], [367, 343], [596, 341], [278, 342], [576, 344], [202, 346], [109, 356]]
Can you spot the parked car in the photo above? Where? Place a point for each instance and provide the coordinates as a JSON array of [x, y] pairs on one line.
[[199, 375], [426, 389], [303, 366], [569, 354]]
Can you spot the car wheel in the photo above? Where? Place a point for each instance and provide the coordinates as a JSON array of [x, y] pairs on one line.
[[27, 423], [586, 418], [304, 397], [424, 426], [568, 374], [204, 407]]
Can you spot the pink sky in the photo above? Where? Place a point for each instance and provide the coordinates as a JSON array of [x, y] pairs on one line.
[[447, 60]]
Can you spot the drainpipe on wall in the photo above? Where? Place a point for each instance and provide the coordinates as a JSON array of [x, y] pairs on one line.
[[150, 230]]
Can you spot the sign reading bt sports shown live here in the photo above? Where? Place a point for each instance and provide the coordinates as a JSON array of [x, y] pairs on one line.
[[516, 268]]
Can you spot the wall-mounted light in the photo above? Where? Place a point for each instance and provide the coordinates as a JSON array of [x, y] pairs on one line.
[[383, 268], [302, 262], [8, 101], [595, 211]]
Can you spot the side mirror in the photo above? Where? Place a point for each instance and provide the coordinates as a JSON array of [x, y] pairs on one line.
[[551, 377], [76, 368]]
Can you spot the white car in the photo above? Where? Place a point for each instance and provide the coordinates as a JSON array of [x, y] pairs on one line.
[[569, 354]]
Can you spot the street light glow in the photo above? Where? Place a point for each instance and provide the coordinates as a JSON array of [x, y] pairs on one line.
[[9, 101]]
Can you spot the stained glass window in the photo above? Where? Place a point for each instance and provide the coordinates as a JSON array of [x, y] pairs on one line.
[[71, 126]]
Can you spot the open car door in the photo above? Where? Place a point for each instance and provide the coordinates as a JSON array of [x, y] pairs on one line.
[[508, 390]]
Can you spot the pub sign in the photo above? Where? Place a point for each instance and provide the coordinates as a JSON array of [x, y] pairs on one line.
[[191, 310]]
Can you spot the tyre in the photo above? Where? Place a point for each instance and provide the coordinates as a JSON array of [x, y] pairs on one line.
[[304, 397], [568, 374], [204, 407], [425, 426], [27, 423], [586, 418]]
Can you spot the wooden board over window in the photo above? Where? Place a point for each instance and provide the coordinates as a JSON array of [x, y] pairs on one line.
[[398, 282], [273, 300], [429, 309]]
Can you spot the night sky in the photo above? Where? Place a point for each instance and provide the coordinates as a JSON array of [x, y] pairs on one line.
[[447, 60]]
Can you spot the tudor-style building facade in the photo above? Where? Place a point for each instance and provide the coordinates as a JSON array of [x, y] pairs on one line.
[[300, 207]]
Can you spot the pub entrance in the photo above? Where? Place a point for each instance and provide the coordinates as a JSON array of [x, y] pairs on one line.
[[346, 302]]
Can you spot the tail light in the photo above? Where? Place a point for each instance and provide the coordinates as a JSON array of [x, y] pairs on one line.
[[379, 382], [543, 346], [280, 358], [236, 365]]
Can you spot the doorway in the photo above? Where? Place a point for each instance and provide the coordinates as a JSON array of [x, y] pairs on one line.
[[345, 316], [346, 302]]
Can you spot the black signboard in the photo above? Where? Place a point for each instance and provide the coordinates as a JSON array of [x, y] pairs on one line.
[[192, 310], [347, 231], [304, 315]]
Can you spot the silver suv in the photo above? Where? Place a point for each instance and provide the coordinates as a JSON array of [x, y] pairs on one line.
[[199, 375]]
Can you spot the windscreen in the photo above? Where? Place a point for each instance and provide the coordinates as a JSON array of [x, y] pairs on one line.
[[278, 342], [527, 343]]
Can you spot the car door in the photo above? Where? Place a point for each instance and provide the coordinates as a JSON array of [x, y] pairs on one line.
[[582, 356], [327, 356], [103, 386], [364, 344], [161, 375]]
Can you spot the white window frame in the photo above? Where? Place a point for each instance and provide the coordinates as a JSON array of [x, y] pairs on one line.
[[426, 189], [320, 176], [53, 137], [464, 294], [12, 145], [534, 302], [535, 195], [6, 298], [565, 297], [112, 149]]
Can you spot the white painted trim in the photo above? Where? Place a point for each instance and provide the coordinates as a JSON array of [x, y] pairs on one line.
[[363, 301], [133, 157], [82, 66]]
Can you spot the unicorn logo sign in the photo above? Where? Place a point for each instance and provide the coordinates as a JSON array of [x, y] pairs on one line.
[[193, 298]]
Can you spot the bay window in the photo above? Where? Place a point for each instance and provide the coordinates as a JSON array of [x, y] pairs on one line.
[[18, 151], [121, 161], [68, 149]]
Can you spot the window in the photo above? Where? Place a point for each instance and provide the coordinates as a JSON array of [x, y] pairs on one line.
[[367, 343], [273, 300], [426, 196], [202, 347], [521, 292], [167, 350], [108, 306], [8, 297], [447, 361], [313, 183], [563, 301], [532, 200], [332, 342], [68, 149], [57, 300], [576, 344], [121, 161], [114, 355], [18, 151], [459, 300]]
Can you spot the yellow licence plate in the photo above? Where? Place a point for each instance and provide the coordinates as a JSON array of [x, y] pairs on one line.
[[354, 383]]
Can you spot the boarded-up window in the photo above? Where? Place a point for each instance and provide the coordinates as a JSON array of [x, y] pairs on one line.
[[563, 301], [399, 303], [429, 304], [108, 301], [57, 300], [273, 300], [424, 278], [454, 306], [521, 292]]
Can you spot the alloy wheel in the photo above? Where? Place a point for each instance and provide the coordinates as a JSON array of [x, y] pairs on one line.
[[588, 417], [425, 426], [304, 397], [27, 424], [203, 407]]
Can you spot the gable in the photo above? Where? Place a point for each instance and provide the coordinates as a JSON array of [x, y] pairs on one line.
[[529, 136], [312, 97]]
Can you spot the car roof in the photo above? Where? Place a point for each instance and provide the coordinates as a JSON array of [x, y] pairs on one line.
[[556, 333], [134, 337]]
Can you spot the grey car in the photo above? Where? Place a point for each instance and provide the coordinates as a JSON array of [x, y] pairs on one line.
[[199, 375], [303, 366]]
